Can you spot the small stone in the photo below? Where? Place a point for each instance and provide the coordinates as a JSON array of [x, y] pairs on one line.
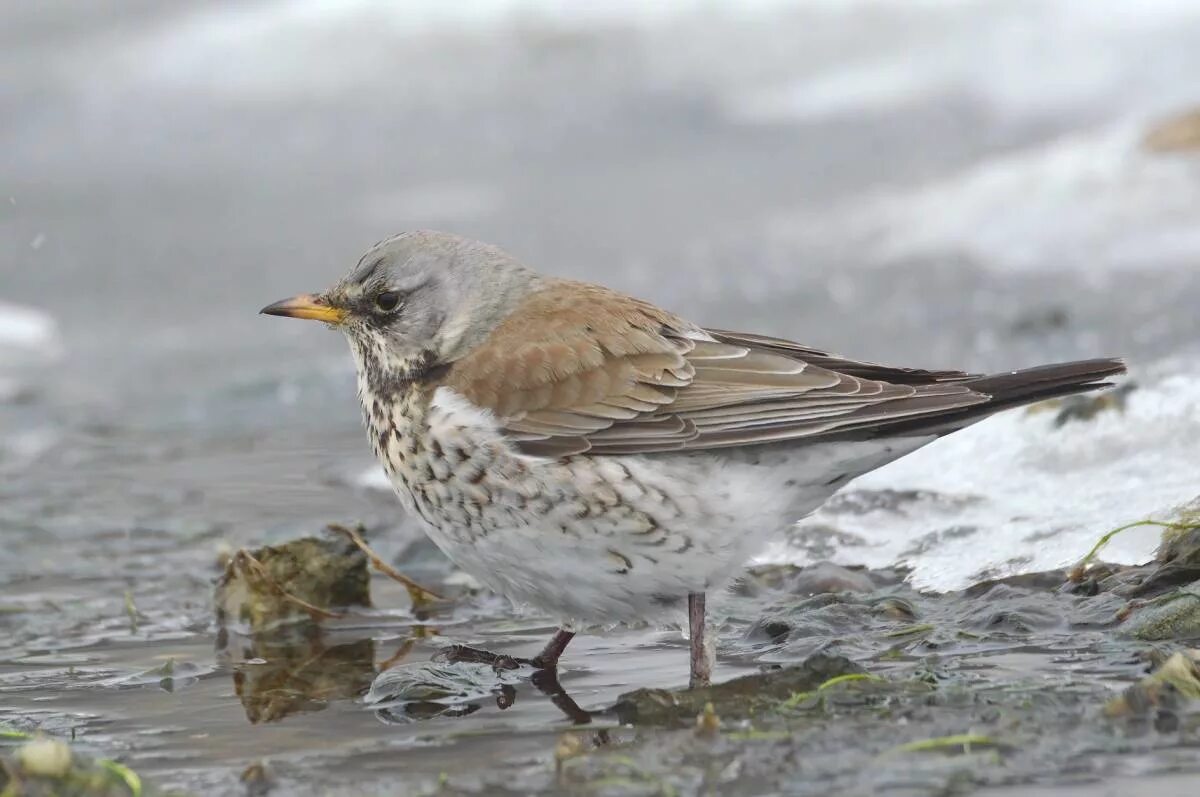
[[46, 758], [1087, 407], [257, 779], [707, 721], [1170, 617], [324, 572], [825, 577], [569, 746], [895, 608], [1177, 679]]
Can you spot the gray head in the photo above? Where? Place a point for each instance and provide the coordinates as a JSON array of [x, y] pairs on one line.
[[417, 300]]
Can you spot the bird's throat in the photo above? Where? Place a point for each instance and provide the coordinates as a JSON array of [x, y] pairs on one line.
[[388, 375]]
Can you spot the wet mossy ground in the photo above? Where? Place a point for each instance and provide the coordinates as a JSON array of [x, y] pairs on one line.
[[830, 680], [38, 766]]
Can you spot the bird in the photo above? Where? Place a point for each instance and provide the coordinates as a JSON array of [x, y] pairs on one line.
[[603, 460]]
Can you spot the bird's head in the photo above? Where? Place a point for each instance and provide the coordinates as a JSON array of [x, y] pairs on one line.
[[416, 301]]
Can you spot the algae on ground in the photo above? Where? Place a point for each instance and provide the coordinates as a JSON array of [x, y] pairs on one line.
[[738, 698], [300, 579], [1172, 616], [47, 767]]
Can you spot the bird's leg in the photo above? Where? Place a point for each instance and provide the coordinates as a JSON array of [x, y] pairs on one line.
[[547, 683], [547, 659], [701, 670]]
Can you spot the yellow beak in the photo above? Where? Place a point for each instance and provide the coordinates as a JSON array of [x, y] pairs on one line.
[[306, 305]]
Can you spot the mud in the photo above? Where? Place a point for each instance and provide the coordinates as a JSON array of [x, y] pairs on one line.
[[829, 680]]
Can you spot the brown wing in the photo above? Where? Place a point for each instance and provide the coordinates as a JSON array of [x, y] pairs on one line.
[[887, 373], [580, 368]]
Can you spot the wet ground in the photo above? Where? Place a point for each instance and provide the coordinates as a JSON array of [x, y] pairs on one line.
[[897, 692], [892, 180]]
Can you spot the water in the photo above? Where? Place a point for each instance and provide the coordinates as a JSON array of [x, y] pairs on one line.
[[907, 182]]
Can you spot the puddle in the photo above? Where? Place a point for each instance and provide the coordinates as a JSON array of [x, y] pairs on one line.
[[828, 680]]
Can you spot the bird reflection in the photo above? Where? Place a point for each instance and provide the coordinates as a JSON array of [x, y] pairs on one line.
[[296, 668]]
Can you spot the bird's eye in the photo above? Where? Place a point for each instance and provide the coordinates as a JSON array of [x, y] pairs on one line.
[[387, 301]]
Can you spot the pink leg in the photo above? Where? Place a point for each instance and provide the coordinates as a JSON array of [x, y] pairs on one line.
[[548, 658], [701, 670]]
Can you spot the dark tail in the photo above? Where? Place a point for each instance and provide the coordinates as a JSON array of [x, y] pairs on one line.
[[1013, 389]]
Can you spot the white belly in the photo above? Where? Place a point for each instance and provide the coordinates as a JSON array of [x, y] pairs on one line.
[[615, 538]]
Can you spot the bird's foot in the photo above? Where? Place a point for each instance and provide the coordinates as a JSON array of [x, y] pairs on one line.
[[546, 660], [500, 661]]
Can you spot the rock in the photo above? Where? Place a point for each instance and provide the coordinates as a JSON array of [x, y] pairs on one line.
[[257, 779], [47, 767], [818, 579], [44, 758], [769, 629], [1087, 407], [1178, 561], [1177, 680], [1174, 616], [259, 587], [827, 577], [739, 698], [1043, 580], [895, 608]]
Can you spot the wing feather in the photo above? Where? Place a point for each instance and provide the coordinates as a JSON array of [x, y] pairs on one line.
[[578, 368]]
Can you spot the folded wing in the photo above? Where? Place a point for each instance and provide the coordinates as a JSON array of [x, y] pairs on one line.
[[609, 374]]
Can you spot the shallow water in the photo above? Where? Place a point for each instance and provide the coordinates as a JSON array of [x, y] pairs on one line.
[[169, 170]]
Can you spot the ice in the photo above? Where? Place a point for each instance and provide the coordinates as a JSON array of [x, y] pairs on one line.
[[25, 446], [269, 47], [373, 478], [1011, 60], [26, 331], [1015, 494], [1114, 206]]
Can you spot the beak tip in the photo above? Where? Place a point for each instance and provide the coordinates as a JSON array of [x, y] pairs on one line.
[[305, 306]]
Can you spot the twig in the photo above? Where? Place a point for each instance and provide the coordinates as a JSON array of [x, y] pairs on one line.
[[400, 655], [131, 611], [419, 595], [1077, 571]]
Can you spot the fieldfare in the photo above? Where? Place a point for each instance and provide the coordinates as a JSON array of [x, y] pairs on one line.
[[603, 459]]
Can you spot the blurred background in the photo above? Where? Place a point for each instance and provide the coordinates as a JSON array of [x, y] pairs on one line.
[[978, 184], [974, 184]]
